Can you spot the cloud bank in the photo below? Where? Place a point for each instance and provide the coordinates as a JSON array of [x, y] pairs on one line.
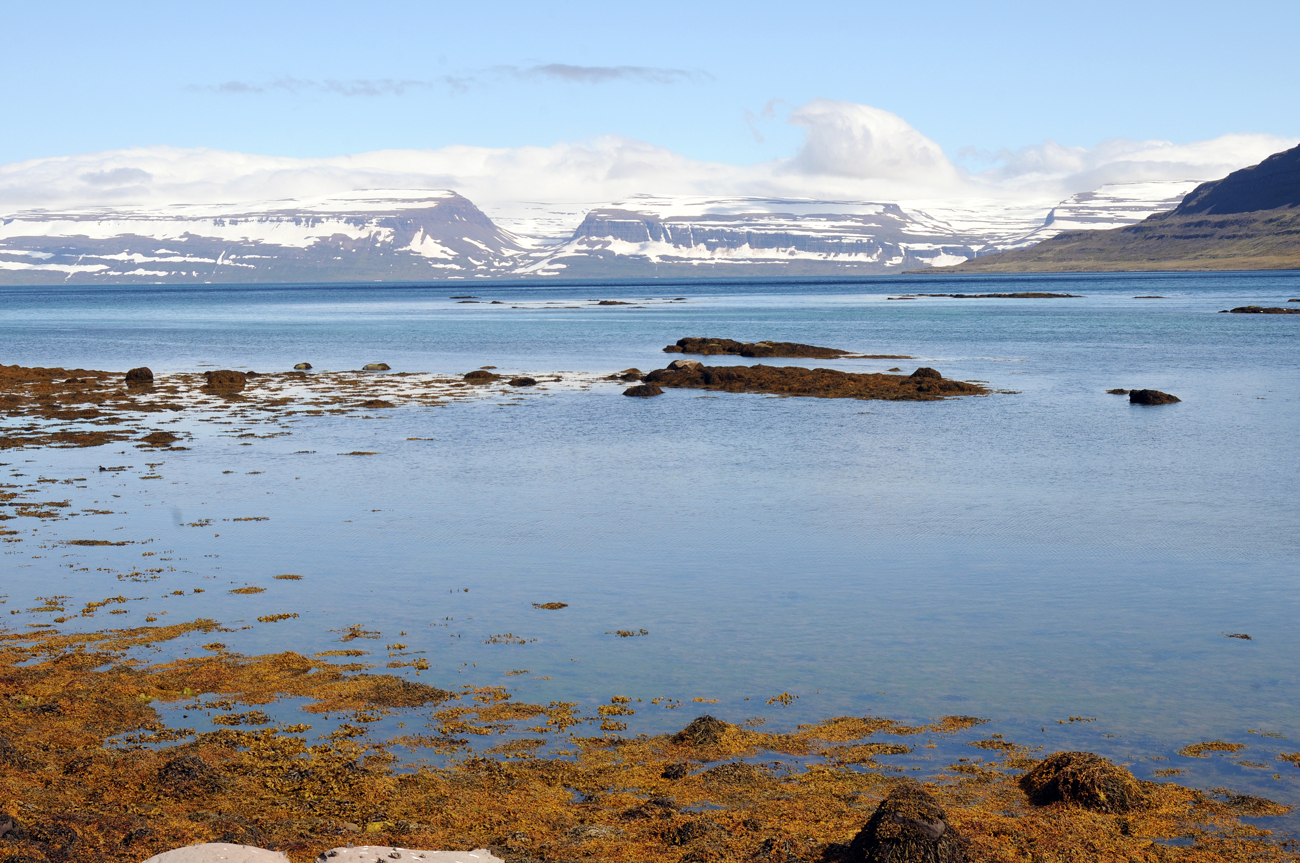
[[849, 152]]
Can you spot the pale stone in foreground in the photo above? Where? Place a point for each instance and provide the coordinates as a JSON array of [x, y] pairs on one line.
[[385, 854], [219, 852]]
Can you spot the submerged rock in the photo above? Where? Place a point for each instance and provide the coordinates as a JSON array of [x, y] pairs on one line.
[[225, 380], [643, 391], [523, 382], [1151, 397], [908, 826], [143, 376], [1119, 392], [1082, 779]]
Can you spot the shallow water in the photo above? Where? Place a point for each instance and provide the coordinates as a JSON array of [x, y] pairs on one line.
[[1025, 557]]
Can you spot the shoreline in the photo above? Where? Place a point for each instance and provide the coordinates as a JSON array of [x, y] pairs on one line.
[[87, 768]]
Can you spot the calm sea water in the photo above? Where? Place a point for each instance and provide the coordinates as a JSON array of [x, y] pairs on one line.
[[1025, 557]]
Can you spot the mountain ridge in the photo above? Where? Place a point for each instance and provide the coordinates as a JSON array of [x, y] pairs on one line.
[[1248, 220], [437, 235]]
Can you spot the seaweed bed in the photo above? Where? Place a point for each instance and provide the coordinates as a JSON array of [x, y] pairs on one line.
[[924, 384], [83, 408], [89, 773]]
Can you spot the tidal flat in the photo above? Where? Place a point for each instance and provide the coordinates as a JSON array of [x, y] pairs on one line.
[[497, 606]]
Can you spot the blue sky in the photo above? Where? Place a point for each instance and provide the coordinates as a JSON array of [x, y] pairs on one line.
[[325, 78], [164, 103]]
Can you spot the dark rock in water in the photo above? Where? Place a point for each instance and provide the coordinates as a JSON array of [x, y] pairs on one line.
[[1082, 779], [375, 367], [676, 771], [644, 391], [523, 382], [1119, 392], [1151, 397], [685, 364], [376, 403], [479, 376], [303, 367], [707, 347], [496, 303], [1261, 310], [815, 383], [142, 376], [908, 826], [160, 438], [1296, 300], [629, 375], [926, 372], [225, 380], [612, 303], [703, 731]]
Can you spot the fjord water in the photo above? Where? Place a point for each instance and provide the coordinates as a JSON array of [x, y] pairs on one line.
[[1028, 556]]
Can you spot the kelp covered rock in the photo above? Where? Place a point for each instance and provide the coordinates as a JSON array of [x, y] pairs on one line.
[[1082, 779], [908, 826]]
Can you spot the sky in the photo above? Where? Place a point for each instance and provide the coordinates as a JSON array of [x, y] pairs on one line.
[[780, 98]]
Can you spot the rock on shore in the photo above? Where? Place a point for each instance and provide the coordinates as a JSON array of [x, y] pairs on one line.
[[223, 852], [225, 381]]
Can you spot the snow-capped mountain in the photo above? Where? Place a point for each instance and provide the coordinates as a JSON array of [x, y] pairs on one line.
[[360, 236], [423, 235]]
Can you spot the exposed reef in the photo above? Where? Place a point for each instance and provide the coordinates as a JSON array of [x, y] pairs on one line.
[[707, 347], [924, 384], [1262, 310], [1020, 295]]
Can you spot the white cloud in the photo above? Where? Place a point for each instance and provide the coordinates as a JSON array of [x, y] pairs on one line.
[[843, 139], [1052, 166], [850, 152]]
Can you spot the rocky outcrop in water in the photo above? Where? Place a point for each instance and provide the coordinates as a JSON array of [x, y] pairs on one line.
[[1151, 397], [707, 346], [924, 384]]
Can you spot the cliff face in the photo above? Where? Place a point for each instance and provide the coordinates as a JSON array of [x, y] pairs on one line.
[[1272, 184]]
